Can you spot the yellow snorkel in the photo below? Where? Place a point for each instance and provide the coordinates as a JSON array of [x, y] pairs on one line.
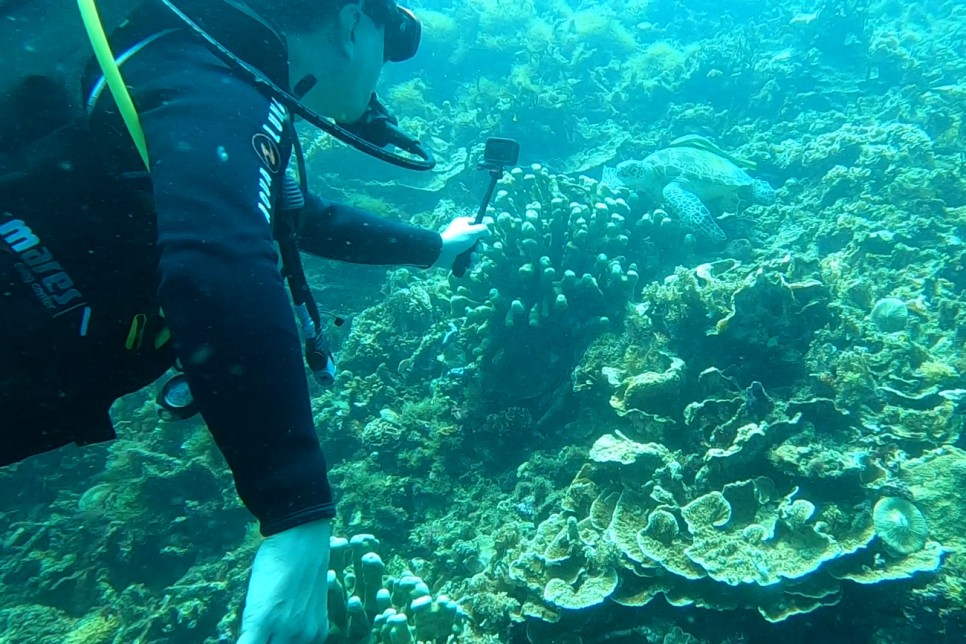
[[112, 76]]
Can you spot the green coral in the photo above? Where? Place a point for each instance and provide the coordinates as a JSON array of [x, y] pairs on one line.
[[555, 274], [900, 525], [890, 314], [588, 590], [632, 509], [366, 605]]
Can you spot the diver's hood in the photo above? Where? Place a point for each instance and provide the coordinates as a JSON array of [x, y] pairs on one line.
[[255, 49]]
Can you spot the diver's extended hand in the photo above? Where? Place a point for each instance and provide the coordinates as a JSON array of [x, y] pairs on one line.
[[461, 235], [287, 594]]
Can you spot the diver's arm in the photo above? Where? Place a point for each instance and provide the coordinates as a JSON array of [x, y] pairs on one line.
[[220, 288], [341, 232]]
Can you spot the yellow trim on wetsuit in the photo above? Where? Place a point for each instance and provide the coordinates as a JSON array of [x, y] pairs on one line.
[[112, 76], [136, 332], [135, 335], [162, 337], [129, 114]]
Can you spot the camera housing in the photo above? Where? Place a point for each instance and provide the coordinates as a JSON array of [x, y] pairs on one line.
[[497, 153], [501, 152]]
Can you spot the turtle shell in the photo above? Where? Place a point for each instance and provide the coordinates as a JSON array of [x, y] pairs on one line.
[[701, 171]]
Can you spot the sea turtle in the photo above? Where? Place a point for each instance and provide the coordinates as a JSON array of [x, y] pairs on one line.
[[689, 172]]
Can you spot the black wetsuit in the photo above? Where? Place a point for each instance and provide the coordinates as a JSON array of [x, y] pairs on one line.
[[193, 241]]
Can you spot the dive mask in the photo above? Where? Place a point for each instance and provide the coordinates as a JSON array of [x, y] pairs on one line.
[[402, 35]]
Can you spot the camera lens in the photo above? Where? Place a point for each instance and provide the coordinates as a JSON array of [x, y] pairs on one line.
[[175, 399], [176, 394]]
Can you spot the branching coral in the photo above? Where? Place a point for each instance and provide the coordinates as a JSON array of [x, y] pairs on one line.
[[557, 271], [367, 604]]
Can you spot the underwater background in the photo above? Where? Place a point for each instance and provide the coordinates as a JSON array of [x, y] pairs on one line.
[[615, 429]]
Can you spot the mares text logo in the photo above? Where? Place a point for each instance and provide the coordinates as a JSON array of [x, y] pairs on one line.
[[38, 270]]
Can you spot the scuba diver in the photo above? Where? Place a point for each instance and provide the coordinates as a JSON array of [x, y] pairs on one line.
[[139, 232]]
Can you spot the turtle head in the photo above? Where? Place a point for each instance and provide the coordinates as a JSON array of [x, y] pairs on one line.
[[637, 174]]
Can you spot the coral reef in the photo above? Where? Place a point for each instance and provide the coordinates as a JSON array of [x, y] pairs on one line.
[[557, 270], [611, 430], [640, 521], [366, 605]]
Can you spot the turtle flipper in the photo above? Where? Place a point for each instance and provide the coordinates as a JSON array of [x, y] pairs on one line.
[[691, 211], [762, 192], [610, 176]]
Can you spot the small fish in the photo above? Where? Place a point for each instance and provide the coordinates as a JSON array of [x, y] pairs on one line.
[[805, 19], [450, 331]]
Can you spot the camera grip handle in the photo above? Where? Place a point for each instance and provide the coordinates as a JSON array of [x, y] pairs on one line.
[[463, 261]]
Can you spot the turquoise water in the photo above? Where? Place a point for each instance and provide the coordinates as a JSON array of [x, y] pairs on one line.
[[619, 427]]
